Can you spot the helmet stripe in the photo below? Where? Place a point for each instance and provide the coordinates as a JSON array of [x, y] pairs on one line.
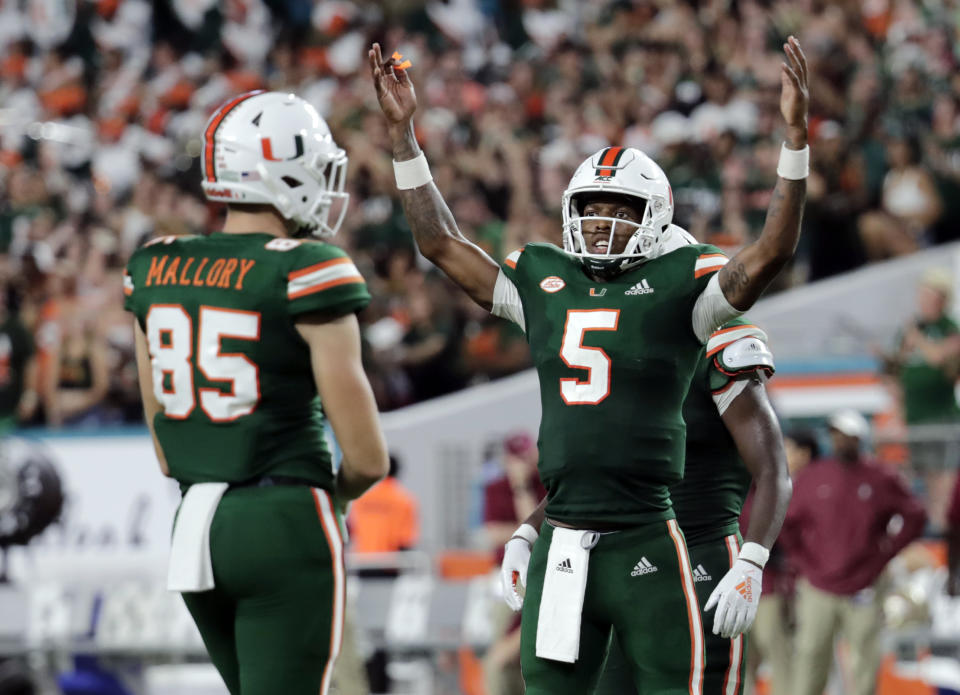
[[211, 130], [610, 157]]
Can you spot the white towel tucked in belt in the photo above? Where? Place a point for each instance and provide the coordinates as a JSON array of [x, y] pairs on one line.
[[190, 566], [561, 605]]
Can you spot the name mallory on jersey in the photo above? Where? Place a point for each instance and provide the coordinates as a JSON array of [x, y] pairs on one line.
[[164, 271]]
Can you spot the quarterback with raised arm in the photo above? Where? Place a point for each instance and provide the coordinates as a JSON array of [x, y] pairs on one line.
[[615, 331], [247, 343]]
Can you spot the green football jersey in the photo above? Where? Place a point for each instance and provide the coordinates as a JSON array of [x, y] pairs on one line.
[[614, 361], [229, 368], [715, 481], [928, 390]]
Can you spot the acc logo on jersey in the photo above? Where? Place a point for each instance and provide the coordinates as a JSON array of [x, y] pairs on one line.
[[552, 283]]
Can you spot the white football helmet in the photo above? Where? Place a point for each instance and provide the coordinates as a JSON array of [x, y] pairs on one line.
[[274, 148], [622, 171]]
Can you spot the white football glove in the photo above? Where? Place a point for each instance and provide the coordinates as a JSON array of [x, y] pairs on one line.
[[516, 557], [736, 598]]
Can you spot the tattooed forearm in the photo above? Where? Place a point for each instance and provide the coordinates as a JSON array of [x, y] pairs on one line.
[[733, 279], [436, 232], [404, 143], [747, 275], [781, 231], [429, 217]]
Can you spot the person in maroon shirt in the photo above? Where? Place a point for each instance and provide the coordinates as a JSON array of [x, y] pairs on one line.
[[508, 500], [953, 542], [772, 632], [848, 518]]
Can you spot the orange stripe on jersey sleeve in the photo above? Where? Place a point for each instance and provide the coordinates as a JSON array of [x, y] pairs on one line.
[[511, 260], [717, 348], [740, 327], [707, 263], [314, 268], [326, 285], [706, 271]]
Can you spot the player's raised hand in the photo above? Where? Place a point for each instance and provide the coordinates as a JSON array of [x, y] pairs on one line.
[[794, 94], [395, 92]]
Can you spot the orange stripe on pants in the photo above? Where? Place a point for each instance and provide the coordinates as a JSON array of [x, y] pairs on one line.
[[693, 610], [331, 529], [730, 685]]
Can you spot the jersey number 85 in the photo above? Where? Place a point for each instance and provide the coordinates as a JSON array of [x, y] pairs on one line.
[[171, 342]]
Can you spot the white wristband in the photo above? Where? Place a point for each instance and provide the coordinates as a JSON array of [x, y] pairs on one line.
[[527, 533], [794, 164], [755, 553], [412, 173]]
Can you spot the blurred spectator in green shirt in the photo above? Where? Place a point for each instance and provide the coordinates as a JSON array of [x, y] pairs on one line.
[[928, 355], [926, 364]]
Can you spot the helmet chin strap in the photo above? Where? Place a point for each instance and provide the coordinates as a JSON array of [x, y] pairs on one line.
[[603, 268]]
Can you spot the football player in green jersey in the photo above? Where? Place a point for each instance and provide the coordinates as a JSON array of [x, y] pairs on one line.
[[247, 342], [615, 332], [732, 434]]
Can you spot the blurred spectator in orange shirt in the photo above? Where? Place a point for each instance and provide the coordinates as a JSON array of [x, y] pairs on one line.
[[385, 519]]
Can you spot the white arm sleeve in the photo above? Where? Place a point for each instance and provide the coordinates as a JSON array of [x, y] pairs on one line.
[[506, 301], [711, 311]]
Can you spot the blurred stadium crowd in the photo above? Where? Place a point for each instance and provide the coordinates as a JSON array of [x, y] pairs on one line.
[[102, 106]]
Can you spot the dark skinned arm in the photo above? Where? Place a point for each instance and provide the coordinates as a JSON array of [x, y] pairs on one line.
[[748, 273], [434, 229], [538, 515], [755, 430]]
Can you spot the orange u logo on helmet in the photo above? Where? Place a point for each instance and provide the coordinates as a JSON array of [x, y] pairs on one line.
[[267, 148]]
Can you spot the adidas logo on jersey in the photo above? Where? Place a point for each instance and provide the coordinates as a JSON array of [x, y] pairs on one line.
[[565, 566], [642, 287], [643, 567], [700, 574]]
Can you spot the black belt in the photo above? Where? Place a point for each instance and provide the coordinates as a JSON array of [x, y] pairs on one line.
[[272, 480]]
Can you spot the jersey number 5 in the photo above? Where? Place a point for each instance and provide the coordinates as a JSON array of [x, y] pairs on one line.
[[593, 359], [171, 342]]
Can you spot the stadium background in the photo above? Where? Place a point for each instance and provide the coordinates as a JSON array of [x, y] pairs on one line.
[[101, 109]]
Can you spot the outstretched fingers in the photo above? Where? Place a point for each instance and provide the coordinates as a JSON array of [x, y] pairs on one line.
[[791, 75], [795, 59], [801, 59], [379, 68]]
